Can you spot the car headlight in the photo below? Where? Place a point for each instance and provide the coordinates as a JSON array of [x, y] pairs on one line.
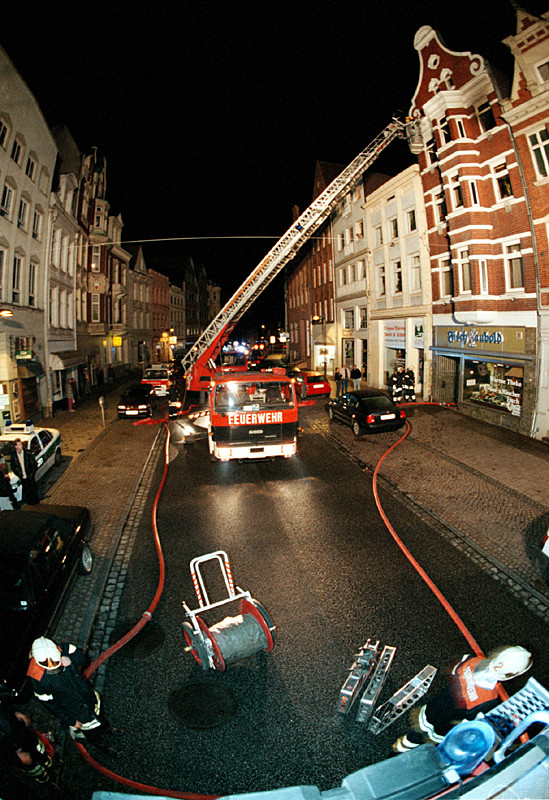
[[142, 408], [121, 408]]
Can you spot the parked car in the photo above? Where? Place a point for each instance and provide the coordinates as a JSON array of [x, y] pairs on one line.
[[310, 383], [44, 443], [41, 548], [136, 401], [158, 378], [366, 411]]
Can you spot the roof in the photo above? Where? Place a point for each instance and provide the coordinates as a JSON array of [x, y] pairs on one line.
[[20, 530]]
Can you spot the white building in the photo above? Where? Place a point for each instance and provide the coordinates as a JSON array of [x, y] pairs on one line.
[[27, 161]]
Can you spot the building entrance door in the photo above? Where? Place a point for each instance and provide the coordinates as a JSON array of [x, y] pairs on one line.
[[447, 379]]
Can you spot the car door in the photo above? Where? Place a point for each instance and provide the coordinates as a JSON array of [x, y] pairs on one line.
[[342, 408], [48, 451], [36, 449]]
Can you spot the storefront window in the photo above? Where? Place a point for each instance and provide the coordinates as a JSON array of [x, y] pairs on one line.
[[495, 385]]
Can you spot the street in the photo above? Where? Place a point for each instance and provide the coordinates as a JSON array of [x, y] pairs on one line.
[[304, 537]]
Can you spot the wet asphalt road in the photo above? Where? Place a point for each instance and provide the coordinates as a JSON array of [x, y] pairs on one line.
[[305, 539]]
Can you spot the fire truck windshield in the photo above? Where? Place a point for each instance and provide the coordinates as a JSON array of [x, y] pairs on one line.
[[253, 396]]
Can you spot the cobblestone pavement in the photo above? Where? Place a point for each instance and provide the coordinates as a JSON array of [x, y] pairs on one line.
[[492, 490]]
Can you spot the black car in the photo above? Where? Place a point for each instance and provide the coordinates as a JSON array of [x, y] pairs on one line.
[[136, 401], [366, 411], [41, 548]]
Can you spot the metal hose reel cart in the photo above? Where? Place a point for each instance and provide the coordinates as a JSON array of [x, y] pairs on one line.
[[234, 638]]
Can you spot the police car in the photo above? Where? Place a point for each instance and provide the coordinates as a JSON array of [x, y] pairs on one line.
[[43, 443]]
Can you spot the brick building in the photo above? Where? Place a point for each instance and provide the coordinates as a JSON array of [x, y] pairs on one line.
[[483, 150]]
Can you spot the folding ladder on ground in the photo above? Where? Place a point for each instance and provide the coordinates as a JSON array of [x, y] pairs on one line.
[[402, 700], [360, 671], [373, 690]]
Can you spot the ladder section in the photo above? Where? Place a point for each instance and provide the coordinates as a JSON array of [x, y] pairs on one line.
[[288, 245], [370, 696], [532, 697], [403, 699], [360, 671]]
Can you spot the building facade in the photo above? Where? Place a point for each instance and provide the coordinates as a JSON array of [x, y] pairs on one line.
[[483, 153], [139, 310], [27, 161]]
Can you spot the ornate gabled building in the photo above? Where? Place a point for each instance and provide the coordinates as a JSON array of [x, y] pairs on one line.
[[139, 310], [484, 159]]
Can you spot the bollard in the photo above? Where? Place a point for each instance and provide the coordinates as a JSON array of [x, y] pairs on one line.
[[102, 406]]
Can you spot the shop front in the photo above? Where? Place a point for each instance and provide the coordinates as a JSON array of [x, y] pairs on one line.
[[489, 372], [394, 348]]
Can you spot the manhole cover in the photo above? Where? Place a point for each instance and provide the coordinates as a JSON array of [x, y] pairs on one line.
[[145, 643], [202, 705]]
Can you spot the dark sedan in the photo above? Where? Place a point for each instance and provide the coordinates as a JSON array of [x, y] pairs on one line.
[[366, 411], [136, 401], [40, 550]]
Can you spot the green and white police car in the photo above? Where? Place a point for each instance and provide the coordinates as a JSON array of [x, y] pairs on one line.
[[43, 443]]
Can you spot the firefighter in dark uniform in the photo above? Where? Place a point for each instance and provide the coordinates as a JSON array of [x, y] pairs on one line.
[[20, 745], [409, 386], [472, 690], [54, 673], [397, 385]]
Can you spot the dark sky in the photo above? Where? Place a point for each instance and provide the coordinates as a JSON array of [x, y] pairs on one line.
[[213, 114]]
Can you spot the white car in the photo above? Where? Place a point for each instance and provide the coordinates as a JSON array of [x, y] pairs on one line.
[[44, 444]]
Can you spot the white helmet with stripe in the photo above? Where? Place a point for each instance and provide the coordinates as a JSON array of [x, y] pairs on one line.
[[46, 653], [510, 662]]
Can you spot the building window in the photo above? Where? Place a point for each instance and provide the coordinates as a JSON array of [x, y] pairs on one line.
[[360, 270], [543, 70], [460, 128], [446, 278], [95, 308], [415, 274], [363, 312], [486, 117], [494, 384], [378, 236], [36, 225], [539, 142], [352, 273], [16, 151], [464, 271], [32, 284], [3, 134], [7, 201], [444, 128], [96, 258], [343, 276], [16, 283], [440, 208], [23, 213], [2, 264], [393, 228], [483, 276], [474, 193], [411, 217], [513, 267], [397, 277], [455, 190], [30, 169], [381, 281], [503, 182], [348, 235], [349, 319], [359, 229]]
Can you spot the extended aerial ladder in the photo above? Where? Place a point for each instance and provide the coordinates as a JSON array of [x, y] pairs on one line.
[[198, 361]]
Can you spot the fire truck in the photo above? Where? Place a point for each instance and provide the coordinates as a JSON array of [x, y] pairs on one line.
[[252, 415]]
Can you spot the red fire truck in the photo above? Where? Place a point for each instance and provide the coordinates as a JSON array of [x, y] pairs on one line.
[[252, 415]]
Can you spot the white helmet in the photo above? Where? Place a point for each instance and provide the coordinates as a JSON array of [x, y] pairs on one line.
[[46, 653], [509, 662]]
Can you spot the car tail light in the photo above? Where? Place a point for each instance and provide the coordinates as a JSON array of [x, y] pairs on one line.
[[370, 419], [402, 414]]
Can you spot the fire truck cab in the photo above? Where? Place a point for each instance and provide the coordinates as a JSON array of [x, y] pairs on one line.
[[252, 415]]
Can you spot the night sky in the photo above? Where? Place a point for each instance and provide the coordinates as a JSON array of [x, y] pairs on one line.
[[213, 114]]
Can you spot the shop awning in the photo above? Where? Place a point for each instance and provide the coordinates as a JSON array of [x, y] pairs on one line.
[[66, 359], [29, 369]]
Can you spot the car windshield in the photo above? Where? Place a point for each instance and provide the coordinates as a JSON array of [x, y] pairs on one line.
[[136, 391], [253, 395], [156, 374], [375, 403]]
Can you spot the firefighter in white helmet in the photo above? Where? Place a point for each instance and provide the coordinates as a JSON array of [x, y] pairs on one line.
[[472, 690], [54, 673]]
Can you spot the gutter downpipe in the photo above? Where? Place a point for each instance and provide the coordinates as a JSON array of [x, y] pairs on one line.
[[537, 272]]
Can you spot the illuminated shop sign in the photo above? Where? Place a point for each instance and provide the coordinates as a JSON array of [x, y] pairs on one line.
[[487, 339], [474, 338]]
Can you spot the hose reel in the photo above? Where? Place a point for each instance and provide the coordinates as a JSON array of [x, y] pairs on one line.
[[233, 638]]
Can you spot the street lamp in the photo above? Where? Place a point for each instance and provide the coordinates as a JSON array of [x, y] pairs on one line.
[[324, 350]]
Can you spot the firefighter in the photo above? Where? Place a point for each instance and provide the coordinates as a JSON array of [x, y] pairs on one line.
[[397, 385], [409, 386], [21, 746], [472, 690], [54, 673]]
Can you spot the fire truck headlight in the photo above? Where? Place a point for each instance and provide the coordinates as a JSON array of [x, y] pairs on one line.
[[224, 453], [288, 449]]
